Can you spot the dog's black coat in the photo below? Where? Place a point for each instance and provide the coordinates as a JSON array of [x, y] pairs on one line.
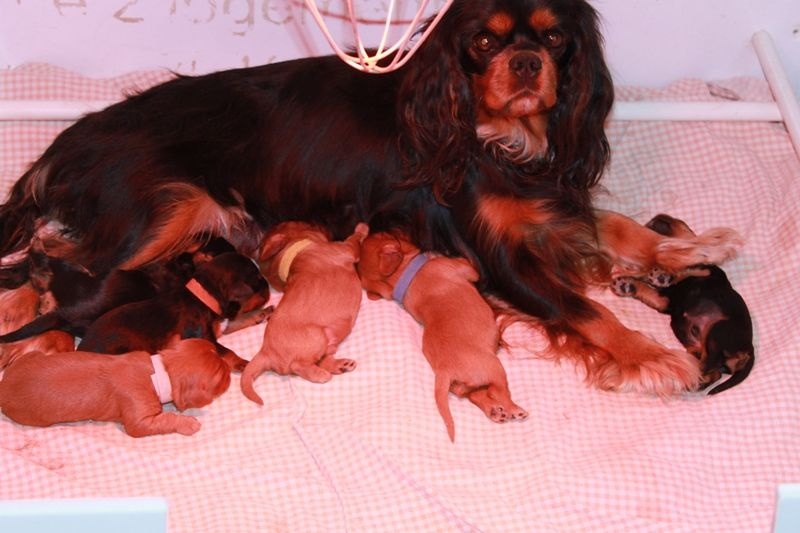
[[316, 140], [81, 297], [150, 325]]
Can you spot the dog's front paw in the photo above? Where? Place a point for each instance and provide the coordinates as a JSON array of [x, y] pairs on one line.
[[187, 425], [623, 286]]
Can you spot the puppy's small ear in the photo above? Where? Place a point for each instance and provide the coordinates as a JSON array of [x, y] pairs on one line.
[[271, 246], [465, 269], [390, 259]]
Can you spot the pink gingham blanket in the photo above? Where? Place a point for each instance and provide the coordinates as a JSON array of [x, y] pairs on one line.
[[368, 452]]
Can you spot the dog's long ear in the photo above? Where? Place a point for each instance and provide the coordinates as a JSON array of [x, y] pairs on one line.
[[271, 246], [196, 372], [579, 149], [436, 113]]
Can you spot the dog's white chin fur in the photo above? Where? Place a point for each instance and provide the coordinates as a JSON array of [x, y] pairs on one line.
[[519, 139]]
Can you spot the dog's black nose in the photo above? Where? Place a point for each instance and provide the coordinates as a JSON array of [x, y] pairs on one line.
[[525, 65]]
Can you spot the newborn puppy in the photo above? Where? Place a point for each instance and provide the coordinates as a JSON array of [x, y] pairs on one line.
[[461, 336], [322, 294], [77, 297], [40, 390], [220, 290], [707, 315], [17, 307]]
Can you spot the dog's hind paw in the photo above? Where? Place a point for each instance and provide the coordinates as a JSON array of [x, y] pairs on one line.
[[518, 413], [337, 366], [346, 365], [501, 414], [498, 414]]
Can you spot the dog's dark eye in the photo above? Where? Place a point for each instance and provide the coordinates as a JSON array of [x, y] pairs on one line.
[[485, 42], [553, 38]]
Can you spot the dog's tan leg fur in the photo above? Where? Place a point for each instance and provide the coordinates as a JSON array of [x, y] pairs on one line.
[[626, 360], [192, 212], [635, 249], [161, 423], [496, 403]]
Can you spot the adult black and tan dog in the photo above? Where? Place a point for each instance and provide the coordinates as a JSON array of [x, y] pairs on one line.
[[487, 144]]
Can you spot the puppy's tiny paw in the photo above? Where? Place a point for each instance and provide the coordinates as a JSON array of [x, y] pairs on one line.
[[362, 229], [188, 425], [264, 314], [658, 277], [518, 413], [498, 414], [347, 365], [623, 286]]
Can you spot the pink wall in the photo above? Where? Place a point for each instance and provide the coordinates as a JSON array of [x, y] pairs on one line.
[[649, 42]]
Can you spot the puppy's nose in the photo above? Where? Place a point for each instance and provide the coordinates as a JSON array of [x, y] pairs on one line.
[[525, 64]]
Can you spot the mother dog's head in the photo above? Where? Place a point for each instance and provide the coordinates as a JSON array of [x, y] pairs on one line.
[[526, 78]]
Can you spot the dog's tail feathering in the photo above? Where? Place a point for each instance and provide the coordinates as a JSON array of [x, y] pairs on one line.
[[442, 395]]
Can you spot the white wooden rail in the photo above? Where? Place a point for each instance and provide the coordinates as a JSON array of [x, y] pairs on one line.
[[785, 108]]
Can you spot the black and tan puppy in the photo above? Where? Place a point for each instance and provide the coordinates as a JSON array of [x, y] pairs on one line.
[[707, 315], [221, 289], [72, 297]]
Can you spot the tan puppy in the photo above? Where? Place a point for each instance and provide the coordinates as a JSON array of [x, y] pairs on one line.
[[322, 294], [18, 307], [40, 390], [461, 336]]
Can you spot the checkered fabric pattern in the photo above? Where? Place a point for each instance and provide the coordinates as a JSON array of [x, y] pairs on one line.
[[368, 452]]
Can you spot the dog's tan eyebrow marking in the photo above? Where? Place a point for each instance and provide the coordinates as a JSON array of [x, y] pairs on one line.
[[500, 23], [542, 19]]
